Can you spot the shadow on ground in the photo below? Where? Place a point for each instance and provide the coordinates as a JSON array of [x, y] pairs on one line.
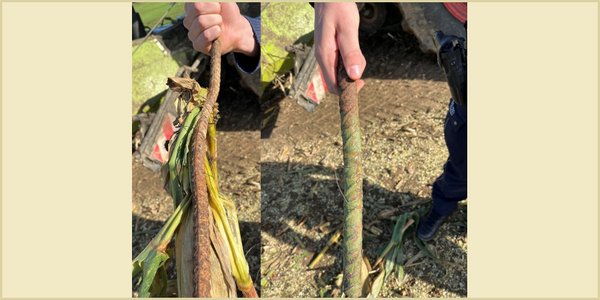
[[304, 217]]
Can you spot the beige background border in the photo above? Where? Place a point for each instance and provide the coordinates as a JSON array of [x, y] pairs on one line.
[[533, 150], [66, 184], [533, 144]]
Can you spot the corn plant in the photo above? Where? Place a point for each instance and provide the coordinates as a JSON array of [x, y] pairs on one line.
[[149, 267], [392, 258]]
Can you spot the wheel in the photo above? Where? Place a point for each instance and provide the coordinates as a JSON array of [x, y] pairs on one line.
[[424, 19], [372, 17], [137, 26]]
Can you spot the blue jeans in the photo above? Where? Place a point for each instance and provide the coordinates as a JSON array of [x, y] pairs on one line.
[[451, 186]]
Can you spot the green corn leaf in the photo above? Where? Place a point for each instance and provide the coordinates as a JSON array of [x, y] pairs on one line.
[[194, 116], [399, 264], [155, 261], [176, 155], [185, 180], [423, 247], [397, 234], [154, 256], [389, 263], [377, 285]]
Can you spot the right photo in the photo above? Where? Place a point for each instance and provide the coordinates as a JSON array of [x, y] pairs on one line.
[[363, 150]]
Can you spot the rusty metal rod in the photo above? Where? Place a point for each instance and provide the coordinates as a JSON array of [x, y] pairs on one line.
[[201, 205], [352, 184]]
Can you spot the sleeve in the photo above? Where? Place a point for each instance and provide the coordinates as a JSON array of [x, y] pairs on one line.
[[245, 63]]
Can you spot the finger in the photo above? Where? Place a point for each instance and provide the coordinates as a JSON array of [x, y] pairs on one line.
[[203, 41], [352, 57], [326, 54], [190, 14], [207, 8], [194, 30], [207, 21], [327, 60]]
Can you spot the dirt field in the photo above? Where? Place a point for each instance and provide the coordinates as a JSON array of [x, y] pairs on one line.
[[402, 106], [238, 138]]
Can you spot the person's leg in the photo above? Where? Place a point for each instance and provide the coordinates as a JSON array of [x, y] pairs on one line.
[[451, 186]]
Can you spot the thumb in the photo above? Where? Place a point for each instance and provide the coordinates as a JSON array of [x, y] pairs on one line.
[[350, 53]]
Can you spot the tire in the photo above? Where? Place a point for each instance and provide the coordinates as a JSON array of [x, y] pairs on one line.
[[137, 26], [424, 19], [372, 16]]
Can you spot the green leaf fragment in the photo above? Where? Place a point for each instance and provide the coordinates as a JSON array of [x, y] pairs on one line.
[[153, 257]]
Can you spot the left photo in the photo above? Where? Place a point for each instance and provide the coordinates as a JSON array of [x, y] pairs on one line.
[[195, 150]]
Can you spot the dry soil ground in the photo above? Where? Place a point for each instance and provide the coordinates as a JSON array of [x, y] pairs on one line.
[[402, 107]]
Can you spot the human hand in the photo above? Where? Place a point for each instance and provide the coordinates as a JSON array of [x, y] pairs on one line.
[[336, 29], [207, 21]]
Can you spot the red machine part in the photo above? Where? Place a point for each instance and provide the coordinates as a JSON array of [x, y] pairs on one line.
[[159, 151], [458, 10], [317, 89]]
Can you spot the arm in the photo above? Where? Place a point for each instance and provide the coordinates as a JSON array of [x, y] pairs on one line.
[[246, 63]]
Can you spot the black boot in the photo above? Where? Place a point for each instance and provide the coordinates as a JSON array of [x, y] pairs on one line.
[[429, 226]]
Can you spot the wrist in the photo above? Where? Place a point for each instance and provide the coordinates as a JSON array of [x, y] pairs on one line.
[[246, 42]]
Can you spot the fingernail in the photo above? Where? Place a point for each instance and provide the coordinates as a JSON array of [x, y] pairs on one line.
[[354, 72]]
